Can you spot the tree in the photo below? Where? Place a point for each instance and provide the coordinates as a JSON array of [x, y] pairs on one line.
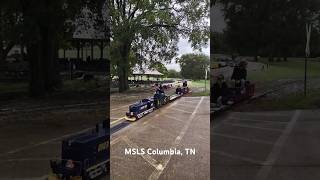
[[193, 66], [9, 30], [45, 25], [152, 30], [173, 74], [219, 44], [273, 28], [159, 67]]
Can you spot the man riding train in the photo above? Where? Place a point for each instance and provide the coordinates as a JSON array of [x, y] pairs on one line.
[[224, 94], [159, 97]]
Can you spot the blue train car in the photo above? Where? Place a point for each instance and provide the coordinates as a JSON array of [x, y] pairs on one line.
[[146, 106], [85, 155], [140, 109]]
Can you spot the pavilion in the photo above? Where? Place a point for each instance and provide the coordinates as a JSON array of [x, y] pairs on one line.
[[146, 73]]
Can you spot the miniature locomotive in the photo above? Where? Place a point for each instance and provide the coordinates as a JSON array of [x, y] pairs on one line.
[[85, 155], [146, 106]]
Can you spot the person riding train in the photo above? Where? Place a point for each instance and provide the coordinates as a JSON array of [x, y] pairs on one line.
[[159, 96], [185, 83], [239, 74], [178, 90], [243, 88], [220, 91]]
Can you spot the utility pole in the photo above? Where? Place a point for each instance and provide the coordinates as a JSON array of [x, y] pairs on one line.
[[205, 79], [308, 35]]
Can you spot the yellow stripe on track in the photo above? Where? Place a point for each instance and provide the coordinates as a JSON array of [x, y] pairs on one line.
[[113, 122]]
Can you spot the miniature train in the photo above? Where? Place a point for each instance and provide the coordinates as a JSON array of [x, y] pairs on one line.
[[235, 96], [247, 93], [146, 106], [85, 155]]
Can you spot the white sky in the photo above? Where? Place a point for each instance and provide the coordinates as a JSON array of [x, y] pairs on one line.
[[185, 48]]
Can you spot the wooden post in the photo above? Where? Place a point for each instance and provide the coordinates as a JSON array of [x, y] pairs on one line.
[[92, 49], [81, 51], [101, 50]]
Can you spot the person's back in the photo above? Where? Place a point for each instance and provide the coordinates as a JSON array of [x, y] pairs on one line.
[[178, 90], [240, 71], [242, 74], [236, 73], [185, 83], [220, 89]]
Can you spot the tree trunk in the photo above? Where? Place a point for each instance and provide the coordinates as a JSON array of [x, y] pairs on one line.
[[37, 80], [53, 80], [42, 55], [270, 59], [123, 67], [285, 58], [1, 52], [123, 78]]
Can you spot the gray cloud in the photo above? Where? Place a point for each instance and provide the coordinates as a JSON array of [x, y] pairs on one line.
[[185, 48]]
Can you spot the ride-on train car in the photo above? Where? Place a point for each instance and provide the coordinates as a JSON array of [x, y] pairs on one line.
[[139, 109], [239, 95], [236, 95], [85, 155], [146, 106]]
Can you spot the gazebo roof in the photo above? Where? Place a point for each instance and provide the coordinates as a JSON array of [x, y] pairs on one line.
[[148, 72]]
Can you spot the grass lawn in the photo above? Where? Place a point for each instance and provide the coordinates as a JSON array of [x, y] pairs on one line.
[[72, 53], [292, 69], [200, 84], [292, 101], [18, 87], [80, 85]]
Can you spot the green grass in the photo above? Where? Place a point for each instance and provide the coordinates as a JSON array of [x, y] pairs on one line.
[[292, 69], [292, 101], [20, 87], [207, 93], [200, 84], [80, 85], [68, 86], [144, 78], [86, 53]]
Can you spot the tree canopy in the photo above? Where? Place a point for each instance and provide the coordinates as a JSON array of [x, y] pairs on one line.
[[274, 28], [10, 24], [193, 66], [42, 26], [151, 29], [173, 74]]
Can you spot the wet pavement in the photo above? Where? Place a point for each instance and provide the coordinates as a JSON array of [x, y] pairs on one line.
[[120, 103], [30, 142], [181, 124], [270, 145]]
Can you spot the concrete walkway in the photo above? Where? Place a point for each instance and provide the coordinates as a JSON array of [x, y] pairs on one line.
[[179, 125], [283, 145]]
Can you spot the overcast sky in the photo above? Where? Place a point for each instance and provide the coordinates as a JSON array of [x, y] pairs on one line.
[[185, 48], [217, 24]]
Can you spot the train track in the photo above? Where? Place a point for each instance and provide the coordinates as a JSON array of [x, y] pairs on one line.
[[257, 96], [7, 111], [274, 89]]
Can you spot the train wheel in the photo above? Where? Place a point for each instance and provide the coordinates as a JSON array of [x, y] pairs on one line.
[[107, 167]]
